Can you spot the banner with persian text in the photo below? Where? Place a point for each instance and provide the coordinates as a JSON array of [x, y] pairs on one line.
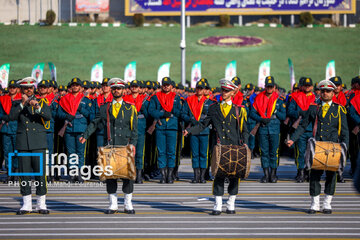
[[238, 7], [92, 6]]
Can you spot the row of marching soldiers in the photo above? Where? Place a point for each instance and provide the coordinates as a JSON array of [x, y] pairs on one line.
[[165, 112]]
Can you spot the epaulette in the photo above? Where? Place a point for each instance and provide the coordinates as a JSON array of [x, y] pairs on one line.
[[282, 98], [313, 104]]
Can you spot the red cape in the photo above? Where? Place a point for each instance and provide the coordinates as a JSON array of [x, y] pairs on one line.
[[196, 106], [135, 101], [264, 105], [101, 99], [166, 100], [302, 100], [6, 102], [238, 99], [340, 99], [70, 103], [356, 103]]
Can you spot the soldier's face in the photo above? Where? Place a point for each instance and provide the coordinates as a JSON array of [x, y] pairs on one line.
[[270, 89], [12, 90], [166, 88], [338, 89], [227, 94], [326, 95], [43, 90], [308, 88], [28, 91], [105, 89], [199, 91], [117, 92], [135, 89], [75, 88]]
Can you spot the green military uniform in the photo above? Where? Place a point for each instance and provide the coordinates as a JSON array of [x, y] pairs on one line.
[[330, 124], [31, 138], [123, 131]]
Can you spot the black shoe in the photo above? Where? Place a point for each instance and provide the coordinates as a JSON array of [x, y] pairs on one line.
[[139, 176], [301, 177], [110, 211], [327, 211], [196, 175], [265, 178], [72, 179], [43, 211], [202, 175], [216, 213], [226, 180], [132, 211], [80, 179], [340, 178], [230, 211], [163, 175], [146, 177], [273, 177], [22, 212], [170, 175], [311, 211], [252, 155]]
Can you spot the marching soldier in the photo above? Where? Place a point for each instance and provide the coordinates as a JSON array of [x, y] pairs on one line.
[[46, 96], [329, 121], [165, 108], [31, 138], [268, 110], [141, 104], [355, 117], [8, 128], [75, 109], [299, 104], [195, 111], [223, 117], [123, 130]]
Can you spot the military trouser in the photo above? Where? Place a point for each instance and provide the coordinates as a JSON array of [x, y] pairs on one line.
[[251, 141], [140, 150], [300, 149], [199, 145], [269, 148], [218, 186], [166, 146], [354, 150], [9, 141], [31, 164], [73, 146], [50, 144], [315, 186], [112, 185]]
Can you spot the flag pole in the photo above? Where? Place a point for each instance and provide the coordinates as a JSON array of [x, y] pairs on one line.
[[183, 42]]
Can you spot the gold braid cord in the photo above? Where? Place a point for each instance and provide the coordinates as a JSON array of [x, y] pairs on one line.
[[231, 161], [120, 158], [327, 156]]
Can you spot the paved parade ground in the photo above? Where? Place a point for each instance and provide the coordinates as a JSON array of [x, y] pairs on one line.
[[181, 210]]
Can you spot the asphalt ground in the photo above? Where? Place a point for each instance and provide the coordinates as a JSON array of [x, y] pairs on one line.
[[182, 210]]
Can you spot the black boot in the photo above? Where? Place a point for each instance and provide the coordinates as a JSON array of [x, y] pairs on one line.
[[170, 175], [176, 173], [202, 175], [301, 177], [265, 178], [273, 177], [196, 175], [163, 175], [340, 178], [139, 179], [297, 175], [307, 175]]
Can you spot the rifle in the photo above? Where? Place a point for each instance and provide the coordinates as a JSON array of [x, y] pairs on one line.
[[2, 124], [151, 129], [296, 123], [255, 129], [62, 130], [356, 130]]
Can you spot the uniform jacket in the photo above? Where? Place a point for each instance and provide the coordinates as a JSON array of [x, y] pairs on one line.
[[157, 112], [123, 129], [227, 129], [328, 127], [31, 133]]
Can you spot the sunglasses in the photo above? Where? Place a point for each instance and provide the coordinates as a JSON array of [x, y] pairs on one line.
[[326, 90], [116, 88]]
